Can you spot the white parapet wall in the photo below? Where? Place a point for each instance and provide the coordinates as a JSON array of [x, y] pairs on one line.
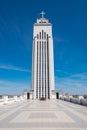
[[75, 100], [79, 100], [84, 102], [53, 96], [7, 100]]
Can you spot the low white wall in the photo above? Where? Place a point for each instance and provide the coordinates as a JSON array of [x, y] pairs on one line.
[[75, 100], [84, 102], [6, 100], [54, 96], [67, 99], [80, 100]]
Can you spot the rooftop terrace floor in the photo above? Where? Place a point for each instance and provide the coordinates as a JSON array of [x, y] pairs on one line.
[[43, 115]]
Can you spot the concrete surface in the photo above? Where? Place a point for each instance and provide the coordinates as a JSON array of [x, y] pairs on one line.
[[43, 115]]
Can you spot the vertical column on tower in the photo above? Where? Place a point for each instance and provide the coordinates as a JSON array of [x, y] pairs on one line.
[[45, 66], [51, 67], [41, 64], [38, 66], [37, 73], [45, 77], [40, 69], [35, 66], [43, 69], [48, 66], [44, 94]]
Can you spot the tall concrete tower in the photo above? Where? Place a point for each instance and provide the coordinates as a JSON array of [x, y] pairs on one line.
[[42, 59]]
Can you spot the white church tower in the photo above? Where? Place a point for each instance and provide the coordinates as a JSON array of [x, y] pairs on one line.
[[42, 59]]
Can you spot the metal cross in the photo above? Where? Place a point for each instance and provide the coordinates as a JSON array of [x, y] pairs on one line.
[[42, 13]]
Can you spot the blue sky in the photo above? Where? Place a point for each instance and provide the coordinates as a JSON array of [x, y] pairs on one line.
[[69, 20]]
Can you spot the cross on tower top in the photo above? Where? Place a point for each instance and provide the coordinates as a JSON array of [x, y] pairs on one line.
[[42, 13]]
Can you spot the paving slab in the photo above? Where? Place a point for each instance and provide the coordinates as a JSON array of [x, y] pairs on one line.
[[43, 115]]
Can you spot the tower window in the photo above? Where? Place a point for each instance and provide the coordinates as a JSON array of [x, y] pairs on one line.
[[42, 34], [37, 36]]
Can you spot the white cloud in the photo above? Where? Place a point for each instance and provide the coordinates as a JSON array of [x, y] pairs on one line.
[[57, 39], [61, 71], [80, 76], [10, 67], [9, 87], [74, 84]]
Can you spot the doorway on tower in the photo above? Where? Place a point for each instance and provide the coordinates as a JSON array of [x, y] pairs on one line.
[[57, 95], [28, 95]]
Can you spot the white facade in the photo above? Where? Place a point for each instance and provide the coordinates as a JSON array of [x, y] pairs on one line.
[[42, 60]]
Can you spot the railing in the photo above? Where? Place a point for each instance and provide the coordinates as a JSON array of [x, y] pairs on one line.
[[1, 100], [78, 100], [7, 100]]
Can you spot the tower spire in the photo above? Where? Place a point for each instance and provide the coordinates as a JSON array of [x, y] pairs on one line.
[[42, 14]]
